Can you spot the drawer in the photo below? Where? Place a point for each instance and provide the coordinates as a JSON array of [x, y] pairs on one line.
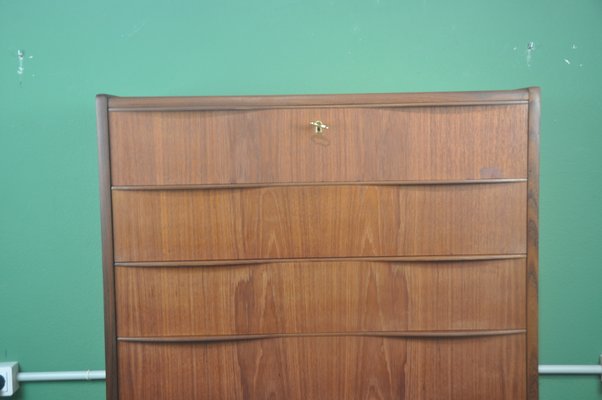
[[300, 368], [319, 221], [280, 146], [320, 296]]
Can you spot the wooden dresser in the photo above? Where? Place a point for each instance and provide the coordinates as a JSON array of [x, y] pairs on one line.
[[321, 247]]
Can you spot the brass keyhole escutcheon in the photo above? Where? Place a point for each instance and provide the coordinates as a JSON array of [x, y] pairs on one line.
[[319, 126]]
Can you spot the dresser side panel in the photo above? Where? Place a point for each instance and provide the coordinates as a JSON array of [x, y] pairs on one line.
[[104, 160]]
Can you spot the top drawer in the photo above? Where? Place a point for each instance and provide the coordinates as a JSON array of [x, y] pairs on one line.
[[278, 145]]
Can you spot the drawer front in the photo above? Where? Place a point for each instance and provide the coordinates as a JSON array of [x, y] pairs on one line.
[[319, 221], [300, 368], [280, 146], [325, 296]]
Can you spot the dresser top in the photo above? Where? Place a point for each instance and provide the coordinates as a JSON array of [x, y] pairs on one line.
[[192, 103]]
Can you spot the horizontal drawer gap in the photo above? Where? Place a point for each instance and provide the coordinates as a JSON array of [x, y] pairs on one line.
[[201, 263], [408, 334], [280, 184]]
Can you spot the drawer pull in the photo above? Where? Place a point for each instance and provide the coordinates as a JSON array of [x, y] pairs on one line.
[[319, 126]]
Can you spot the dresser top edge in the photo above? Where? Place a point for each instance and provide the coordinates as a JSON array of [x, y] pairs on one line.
[[195, 103]]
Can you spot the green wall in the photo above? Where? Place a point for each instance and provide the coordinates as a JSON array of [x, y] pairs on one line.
[[50, 273]]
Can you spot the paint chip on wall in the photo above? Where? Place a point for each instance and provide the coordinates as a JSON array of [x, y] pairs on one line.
[[530, 50], [20, 57]]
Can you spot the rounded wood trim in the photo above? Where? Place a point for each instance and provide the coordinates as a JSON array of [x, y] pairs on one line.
[[194, 103], [532, 200], [102, 125]]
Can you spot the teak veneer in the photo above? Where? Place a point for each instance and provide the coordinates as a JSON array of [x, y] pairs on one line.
[[393, 255]]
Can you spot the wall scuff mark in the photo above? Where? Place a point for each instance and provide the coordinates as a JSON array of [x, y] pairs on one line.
[[20, 67], [20, 57], [134, 30], [530, 50], [574, 47]]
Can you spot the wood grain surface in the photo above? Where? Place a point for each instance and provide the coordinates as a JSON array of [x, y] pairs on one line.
[[305, 297], [279, 145], [533, 246], [326, 368], [203, 103], [106, 224], [393, 257], [319, 221]]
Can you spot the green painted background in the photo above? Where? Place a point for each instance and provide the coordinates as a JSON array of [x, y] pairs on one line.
[[50, 273]]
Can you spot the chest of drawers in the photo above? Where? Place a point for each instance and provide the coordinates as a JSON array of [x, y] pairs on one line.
[[321, 247]]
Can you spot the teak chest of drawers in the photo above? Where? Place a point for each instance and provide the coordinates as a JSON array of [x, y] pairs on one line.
[[321, 247]]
